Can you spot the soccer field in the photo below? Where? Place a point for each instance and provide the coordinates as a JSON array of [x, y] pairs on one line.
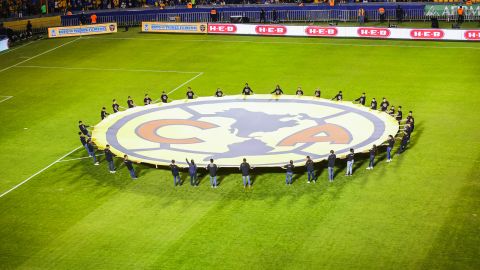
[[421, 211]]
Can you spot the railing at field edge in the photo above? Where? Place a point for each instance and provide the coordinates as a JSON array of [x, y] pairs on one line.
[[254, 16]]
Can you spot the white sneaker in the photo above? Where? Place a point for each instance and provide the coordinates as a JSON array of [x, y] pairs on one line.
[[96, 164], [368, 168], [308, 182]]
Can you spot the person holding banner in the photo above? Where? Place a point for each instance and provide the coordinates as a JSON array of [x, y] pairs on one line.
[[164, 97], [289, 167], [128, 163], [104, 113], [109, 159], [278, 91], [399, 115], [245, 169], [147, 100], [83, 140], [372, 153], [190, 93], [338, 97], [212, 170], [331, 165], [115, 106], [247, 90], [373, 104], [390, 143], [175, 173], [83, 128], [411, 120], [384, 105], [130, 102], [350, 160], [392, 111], [403, 144], [219, 93], [91, 151], [310, 170], [361, 99], [192, 170], [299, 91]]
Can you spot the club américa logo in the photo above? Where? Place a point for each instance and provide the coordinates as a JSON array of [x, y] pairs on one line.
[[267, 131]]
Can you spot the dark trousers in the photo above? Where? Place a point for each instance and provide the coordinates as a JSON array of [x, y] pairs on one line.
[[382, 17], [111, 166], [193, 179], [311, 176], [403, 146]]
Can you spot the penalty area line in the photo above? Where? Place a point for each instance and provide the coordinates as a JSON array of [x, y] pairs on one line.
[[110, 69], [175, 89], [19, 47], [40, 54], [39, 172], [72, 159], [178, 87]]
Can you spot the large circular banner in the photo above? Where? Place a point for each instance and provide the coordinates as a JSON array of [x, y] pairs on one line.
[[267, 130]]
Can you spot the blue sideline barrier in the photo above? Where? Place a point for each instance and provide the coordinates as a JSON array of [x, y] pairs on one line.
[[284, 13]]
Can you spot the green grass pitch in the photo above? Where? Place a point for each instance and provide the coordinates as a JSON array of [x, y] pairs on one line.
[[419, 212]]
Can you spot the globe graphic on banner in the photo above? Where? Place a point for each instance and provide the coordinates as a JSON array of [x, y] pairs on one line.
[[268, 131]]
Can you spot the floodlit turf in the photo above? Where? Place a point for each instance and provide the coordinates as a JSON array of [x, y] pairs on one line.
[[420, 211]]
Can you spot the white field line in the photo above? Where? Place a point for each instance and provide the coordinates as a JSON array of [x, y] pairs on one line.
[[16, 48], [40, 54], [72, 159], [111, 69], [39, 172], [298, 43], [178, 87], [5, 98]]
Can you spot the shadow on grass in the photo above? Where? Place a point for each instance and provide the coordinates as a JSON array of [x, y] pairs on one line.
[[157, 181], [457, 243]]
